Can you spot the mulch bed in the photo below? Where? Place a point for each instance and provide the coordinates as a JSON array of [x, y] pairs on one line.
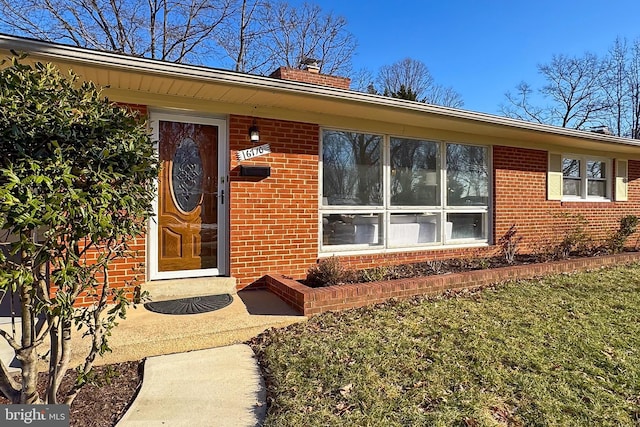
[[101, 406], [336, 275]]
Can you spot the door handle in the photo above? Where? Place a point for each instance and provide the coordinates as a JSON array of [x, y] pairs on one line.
[[222, 197]]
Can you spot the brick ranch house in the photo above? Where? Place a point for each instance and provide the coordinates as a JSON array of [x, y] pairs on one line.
[[370, 179]]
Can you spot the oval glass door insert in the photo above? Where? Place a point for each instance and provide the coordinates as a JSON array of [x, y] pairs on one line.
[[186, 175]]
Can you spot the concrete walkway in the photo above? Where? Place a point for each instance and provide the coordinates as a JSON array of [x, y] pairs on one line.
[[214, 387], [197, 372]]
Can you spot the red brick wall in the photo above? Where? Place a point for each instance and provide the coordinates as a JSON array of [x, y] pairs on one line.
[[311, 301], [520, 198], [126, 273], [274, 220], [305, 76]]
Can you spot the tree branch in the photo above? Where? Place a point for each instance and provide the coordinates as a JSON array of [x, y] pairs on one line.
[[9, 387]]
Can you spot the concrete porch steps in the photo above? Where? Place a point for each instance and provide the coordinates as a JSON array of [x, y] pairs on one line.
[[162, 290], [144, 333]]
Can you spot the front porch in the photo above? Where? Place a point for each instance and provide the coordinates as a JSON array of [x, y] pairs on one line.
[[144, 333]]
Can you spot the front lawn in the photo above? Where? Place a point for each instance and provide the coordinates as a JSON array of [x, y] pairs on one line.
[[564, 350]]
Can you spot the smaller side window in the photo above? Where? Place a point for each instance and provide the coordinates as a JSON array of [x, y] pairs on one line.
[[585, 177]]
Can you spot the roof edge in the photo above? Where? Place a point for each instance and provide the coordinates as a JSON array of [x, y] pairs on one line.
[[146, 65]]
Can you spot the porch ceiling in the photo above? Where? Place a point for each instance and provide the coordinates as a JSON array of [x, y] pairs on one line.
[[167, 85]]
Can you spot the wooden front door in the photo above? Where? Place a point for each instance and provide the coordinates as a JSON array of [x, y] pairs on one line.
[[187, 196]]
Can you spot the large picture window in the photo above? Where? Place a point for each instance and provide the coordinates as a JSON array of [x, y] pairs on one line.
[[387, 192]]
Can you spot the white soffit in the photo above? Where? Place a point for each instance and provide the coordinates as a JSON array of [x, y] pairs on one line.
[[240, 93]]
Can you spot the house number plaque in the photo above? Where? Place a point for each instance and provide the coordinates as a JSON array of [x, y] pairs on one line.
[[252, 152]]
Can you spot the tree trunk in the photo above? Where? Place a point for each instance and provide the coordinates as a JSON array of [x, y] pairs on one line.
[[53, 383], [28, 355]]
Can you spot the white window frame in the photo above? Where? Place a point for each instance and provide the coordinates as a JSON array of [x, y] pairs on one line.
[[584, 180], [386, 210]]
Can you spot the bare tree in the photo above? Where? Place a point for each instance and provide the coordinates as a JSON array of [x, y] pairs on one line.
[[520, 106], [172, 30], [633, 82], [240, 35], [585, 92], [614, 85], [445, 96], [623, 87], [254, 36], [408, 72], [292, 34], [573, 91], [362, 81], [410, 76]]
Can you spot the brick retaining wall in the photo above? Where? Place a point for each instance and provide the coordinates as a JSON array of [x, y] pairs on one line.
[[311, 301]]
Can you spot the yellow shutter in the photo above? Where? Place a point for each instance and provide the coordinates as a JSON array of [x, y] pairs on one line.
[[554, 177], [622, 188]]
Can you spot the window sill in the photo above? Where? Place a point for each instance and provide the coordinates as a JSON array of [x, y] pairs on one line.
[[579, 201], [343, 250]]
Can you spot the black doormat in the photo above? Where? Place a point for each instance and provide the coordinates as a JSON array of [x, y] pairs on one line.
[[193, 305]]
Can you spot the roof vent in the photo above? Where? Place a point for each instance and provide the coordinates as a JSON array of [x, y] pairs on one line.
[[311, 65], [602, 129]]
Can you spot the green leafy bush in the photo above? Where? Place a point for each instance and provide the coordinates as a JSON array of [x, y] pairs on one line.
[[77, 176]]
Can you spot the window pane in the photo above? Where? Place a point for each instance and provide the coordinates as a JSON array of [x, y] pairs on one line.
[[415, 173], [596, 169], [571, 168], [414, 229], [351, 229], [572, 187], [352, 173], [467, 175], [597, 188], [466, 226]]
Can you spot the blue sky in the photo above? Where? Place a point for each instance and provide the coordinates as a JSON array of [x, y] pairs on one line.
[[483, 48]]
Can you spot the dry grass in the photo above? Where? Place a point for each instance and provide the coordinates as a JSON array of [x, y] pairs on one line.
[[561, 351]]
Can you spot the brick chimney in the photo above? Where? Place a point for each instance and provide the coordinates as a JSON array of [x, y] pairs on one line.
[[311, 75]]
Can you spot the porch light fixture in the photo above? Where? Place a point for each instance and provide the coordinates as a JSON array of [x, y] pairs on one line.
[[254, 133]]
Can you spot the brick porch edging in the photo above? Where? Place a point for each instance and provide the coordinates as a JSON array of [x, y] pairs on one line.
[[311, 301]]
